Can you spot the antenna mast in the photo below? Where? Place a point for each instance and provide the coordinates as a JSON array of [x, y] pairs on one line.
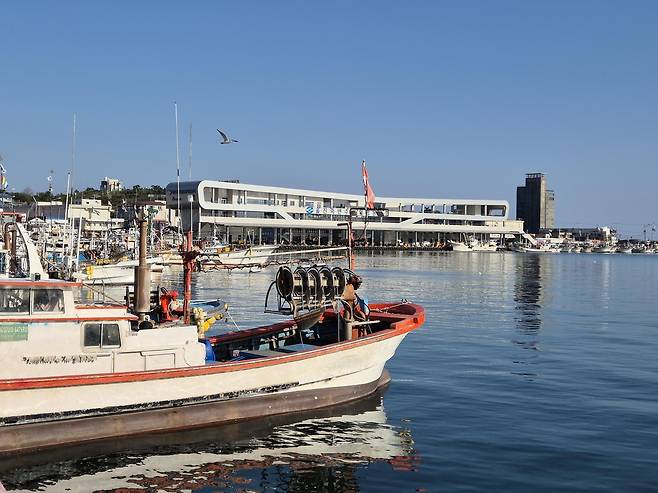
[[73, 156], [189, 150], [177, 168]]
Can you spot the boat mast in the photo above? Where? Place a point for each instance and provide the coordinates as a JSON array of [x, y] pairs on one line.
[[365, 203], [69, 182], [177, 169], [189, 155]]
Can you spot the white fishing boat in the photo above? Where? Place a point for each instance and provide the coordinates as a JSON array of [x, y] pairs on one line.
[[256, 256], [226, 257], [604, 248], [539, 248], [117, 273], [77, 372], [472, 244]]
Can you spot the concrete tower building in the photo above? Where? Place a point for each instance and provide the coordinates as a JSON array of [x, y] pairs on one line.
[[535, 204]]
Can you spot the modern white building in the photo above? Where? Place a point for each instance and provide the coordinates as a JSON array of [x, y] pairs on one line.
[[236, 212]]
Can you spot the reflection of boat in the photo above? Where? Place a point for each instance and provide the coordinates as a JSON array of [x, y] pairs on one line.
[[342, 437], [86, 372]]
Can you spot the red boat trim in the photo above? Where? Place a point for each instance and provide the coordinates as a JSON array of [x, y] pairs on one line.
[[34, 320], [28, 283], [100, 307], [402, 326]]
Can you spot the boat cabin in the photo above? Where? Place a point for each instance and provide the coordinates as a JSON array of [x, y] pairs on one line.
[[44, 332]]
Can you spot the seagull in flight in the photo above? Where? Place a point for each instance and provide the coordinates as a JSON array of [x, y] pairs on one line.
[[225, 138]]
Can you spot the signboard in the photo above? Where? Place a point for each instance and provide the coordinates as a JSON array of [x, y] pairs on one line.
[[344, 211], [327, 211], [13, 332], [361, 212]]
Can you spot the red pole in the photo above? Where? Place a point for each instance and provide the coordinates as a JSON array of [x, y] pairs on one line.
[[188, 267]]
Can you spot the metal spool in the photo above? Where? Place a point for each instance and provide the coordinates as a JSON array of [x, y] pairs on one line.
[[301, 290], [315, 285], [285, 283], [327, 281], [339, 280]]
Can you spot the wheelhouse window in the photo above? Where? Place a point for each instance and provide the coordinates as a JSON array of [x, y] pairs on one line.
[[14, 301], [101, 336], [48, 301]]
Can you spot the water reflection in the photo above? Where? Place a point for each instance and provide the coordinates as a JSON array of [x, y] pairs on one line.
[[319, 451], [528, 292], [533, 273]]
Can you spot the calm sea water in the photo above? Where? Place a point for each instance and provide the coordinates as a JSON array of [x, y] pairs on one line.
[[532, 373]]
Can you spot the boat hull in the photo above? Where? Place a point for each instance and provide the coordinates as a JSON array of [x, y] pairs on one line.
[[38, 436], [49, 411]]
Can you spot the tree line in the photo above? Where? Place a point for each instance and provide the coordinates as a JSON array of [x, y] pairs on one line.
[[126, 196]]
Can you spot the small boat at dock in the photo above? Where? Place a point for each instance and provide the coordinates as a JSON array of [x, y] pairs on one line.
[[472, 244], [117, 273], [604, 248]]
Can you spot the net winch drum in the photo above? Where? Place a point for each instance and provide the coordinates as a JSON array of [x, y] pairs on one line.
[[339, 281], [300, 283], [307, 287], [285, 283], [315, 286], [327, 282]]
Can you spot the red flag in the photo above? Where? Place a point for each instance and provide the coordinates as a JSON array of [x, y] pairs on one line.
[[369, 194]]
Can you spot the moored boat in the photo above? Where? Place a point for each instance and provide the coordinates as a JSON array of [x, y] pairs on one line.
[[604, 248], [80, 372], [227, 257], [117, 273], [472, 245]]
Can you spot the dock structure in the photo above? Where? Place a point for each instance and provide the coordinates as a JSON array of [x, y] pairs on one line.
[[239, 212]]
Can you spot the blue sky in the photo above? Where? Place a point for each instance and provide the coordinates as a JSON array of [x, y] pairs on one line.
[[455, 100]]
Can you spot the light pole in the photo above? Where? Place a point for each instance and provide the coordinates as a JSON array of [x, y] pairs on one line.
[[644, 230], [190, 199], [350, 260]]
